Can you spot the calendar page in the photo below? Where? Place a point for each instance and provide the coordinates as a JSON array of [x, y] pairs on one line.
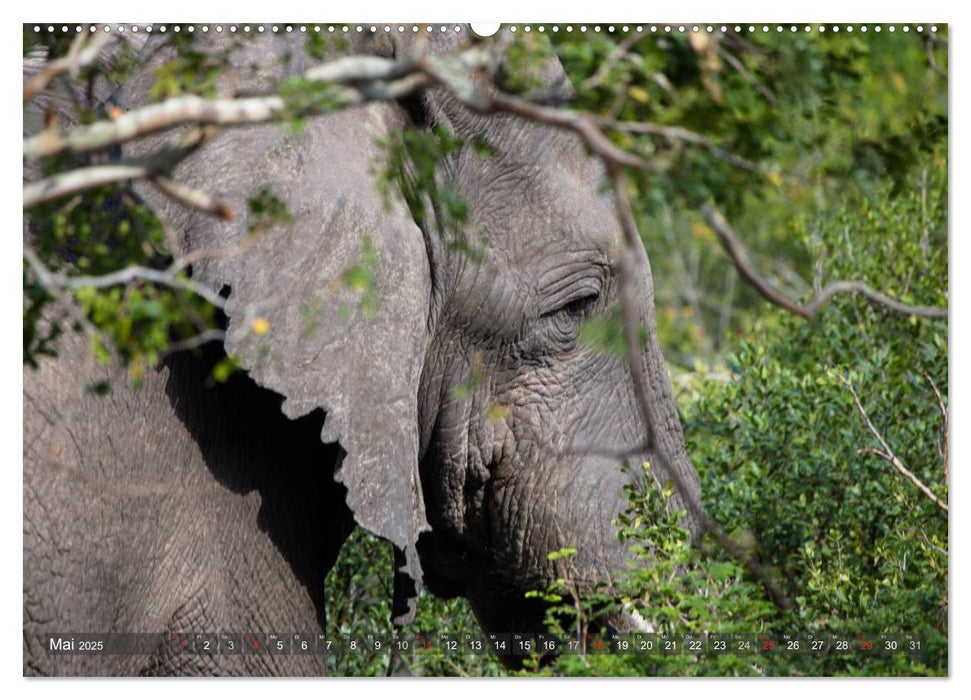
[[448, 349]]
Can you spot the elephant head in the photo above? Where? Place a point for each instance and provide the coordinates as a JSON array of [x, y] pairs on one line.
[[477, 426]]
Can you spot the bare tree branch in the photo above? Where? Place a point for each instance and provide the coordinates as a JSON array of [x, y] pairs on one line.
[[60, 285], [628, 296], [207, 336], [485, 99], [126, 275], [195, 199], [627, 273], [733, 246], [356, 80], [75, 181], [159, 163], [83, 52], [53, 285], [886, 453], [942, 449], [44, 276], [744, 72], [215, 253], [51, 280], [679, 133], [939, 550]]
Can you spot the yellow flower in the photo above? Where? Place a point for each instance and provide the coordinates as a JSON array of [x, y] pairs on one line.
[[260, 325], [639, 94]]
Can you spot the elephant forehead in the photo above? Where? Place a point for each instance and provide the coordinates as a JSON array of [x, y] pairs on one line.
[[533, 209]]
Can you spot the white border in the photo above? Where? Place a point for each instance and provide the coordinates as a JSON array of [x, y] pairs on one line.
[[834, 11]]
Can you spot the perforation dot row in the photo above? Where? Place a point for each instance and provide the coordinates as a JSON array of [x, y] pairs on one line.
[[682, 28], [257, 28], [415, 28]]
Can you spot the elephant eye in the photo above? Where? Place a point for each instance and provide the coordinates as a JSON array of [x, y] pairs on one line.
[[577, 307]]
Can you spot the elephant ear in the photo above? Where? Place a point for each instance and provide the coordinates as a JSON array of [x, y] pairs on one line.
[[328, 305]]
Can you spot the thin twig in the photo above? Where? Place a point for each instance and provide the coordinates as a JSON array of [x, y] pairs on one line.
[[631, 326], [192, 198], [76, 58], [929, 48], [679, 133], [887, 453], [53, 285], [195, 256], [44, 276], [629, 301], [584, 125], [939, 550], [57, 280], [56, 283], [944, 423], [485, 99], [733, 246], [744, 72], [907, 473]]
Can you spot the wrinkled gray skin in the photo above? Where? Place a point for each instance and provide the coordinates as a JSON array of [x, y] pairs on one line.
[[182, 507]]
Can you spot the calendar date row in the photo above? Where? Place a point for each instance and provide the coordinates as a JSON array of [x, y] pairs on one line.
[[503, 644]]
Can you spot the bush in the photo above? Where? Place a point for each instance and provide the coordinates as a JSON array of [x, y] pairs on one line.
[[781, 448]]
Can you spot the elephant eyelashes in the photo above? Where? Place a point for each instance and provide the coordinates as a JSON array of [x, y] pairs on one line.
[[564, 321], [581, 306], [577, 307]]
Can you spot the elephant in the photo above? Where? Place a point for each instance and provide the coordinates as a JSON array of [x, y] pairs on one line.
[[189, 505]]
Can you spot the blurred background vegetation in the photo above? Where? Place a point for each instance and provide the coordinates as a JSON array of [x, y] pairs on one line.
[[827, 152]]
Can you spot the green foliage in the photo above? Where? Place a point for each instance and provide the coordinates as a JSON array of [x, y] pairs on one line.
[[780, 447], [605, 333], [676, 587], [412, 170], [520, 73], [190, 70], [39, 337], [316, 45], [359, 604], [104, 231], [303, 97], [266, 209], [361, 277]]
